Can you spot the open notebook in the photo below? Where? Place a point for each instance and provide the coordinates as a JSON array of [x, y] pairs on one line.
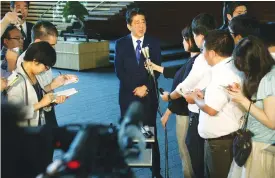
[[68, 92]]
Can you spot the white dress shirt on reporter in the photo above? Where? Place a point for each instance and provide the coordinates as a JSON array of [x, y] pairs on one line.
[[227, 120], [198, 78]]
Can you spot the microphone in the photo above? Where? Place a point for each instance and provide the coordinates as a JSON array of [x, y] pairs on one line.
[[145, 52]]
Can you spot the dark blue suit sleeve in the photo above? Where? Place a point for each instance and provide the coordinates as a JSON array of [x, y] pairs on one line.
[[120, 70]]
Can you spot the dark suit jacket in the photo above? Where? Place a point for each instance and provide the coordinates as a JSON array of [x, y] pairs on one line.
[[28, 40], [132, 75]]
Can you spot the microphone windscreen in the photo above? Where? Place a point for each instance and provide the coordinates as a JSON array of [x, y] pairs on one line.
[[147, 52], [143, 52]]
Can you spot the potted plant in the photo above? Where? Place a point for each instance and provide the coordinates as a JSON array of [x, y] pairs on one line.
[[77, 10]]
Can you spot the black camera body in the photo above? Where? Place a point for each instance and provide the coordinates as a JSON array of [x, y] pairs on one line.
[[99, 150]]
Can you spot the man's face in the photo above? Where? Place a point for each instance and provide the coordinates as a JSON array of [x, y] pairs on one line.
[[52, 40], [23, 8], [239, 11], [138, 26], [199, 39], [14, 40]]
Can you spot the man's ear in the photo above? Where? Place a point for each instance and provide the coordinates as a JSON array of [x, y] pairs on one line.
[[129, 27], [212, 54], [229, 17]]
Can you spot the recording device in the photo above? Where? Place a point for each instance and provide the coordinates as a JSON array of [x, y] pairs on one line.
[[145, 52], [18, 25], [223, 86], [161, 90], [101, 150], [20, 15]]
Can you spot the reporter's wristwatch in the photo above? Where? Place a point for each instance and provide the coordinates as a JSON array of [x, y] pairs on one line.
[[169, 98]]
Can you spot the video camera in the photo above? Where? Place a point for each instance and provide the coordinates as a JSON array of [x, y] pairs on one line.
[[99, 150]]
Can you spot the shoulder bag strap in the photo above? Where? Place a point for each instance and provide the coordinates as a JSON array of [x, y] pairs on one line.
[[248, 112], [26, 89], [26, 95]]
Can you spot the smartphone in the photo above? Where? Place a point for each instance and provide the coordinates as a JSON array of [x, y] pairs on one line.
[[161, 91], [225, 87]]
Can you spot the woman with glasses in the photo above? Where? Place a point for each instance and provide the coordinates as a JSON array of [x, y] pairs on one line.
[[39, 58]]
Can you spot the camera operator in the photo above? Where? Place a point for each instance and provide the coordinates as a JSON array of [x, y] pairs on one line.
[[23, 154], [25, 27]]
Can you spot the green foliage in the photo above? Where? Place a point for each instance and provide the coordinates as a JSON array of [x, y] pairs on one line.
[[74, 8]]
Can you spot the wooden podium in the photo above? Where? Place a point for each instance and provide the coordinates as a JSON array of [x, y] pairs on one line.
[[79, 55]]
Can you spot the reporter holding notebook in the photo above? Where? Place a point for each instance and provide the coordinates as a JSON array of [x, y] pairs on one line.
[[39, 58]]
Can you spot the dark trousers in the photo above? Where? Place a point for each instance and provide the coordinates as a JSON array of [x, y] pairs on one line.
[[218, 157], [195, 145]]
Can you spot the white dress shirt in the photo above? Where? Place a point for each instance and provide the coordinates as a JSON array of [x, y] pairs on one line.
[[135, 42], [273, 55], [229, 113], [24, 26], [198, 78]]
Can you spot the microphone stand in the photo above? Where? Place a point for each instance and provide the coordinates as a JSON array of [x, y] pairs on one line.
[[145, 52]]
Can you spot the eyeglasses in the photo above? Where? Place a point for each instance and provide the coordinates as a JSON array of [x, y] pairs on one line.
[[47, 67], [18, 38]]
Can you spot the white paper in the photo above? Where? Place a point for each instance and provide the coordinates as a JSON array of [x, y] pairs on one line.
[[72, 80], [67, 92]]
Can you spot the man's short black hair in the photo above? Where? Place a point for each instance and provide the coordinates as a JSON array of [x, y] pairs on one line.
[[219, 41], [268, 33], [203, 23], [188, 36], [43, 29], [133, 12], [231, 6], [12, 3], [6, 34], [41, 52], [244, 25]]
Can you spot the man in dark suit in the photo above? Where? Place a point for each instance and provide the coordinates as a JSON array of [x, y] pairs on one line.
[[26, 27], [135, 82]]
